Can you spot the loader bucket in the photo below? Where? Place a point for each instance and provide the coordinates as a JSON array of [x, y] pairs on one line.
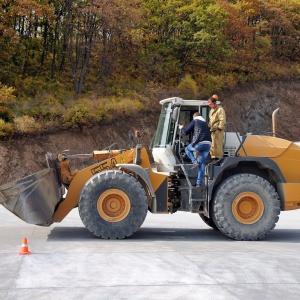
[[33, 198]]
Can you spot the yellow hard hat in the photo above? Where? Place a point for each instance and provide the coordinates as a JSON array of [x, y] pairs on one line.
[[215, 97]]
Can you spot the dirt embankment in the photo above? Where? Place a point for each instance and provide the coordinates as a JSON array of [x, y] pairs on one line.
[[248, 107]]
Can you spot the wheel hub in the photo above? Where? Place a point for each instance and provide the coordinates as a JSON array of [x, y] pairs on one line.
[[248, 208], [113, 205]]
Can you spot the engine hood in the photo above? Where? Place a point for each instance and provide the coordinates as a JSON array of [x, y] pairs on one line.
[[264, 146]]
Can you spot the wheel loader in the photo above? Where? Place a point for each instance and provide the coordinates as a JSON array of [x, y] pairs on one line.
[[245, 190]]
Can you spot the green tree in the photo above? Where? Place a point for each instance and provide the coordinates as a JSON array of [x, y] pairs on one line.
[[184, 36], [212, 47]]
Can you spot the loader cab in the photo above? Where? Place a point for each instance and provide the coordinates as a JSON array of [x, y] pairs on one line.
[[186, 116], [168, 143]]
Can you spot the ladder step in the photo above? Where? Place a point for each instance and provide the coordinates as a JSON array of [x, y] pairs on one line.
[[196, 205], [193, 188]]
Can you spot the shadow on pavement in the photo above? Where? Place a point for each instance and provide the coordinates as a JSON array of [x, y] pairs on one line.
[[169, 234], [143, 234], [284, 235]]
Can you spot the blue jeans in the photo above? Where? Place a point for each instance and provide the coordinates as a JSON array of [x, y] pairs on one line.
[[203, 149]]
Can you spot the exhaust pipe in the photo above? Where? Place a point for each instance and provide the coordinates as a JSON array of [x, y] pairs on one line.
[[274, 121]]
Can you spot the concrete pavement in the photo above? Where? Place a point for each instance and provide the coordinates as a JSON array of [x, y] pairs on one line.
[[170, 257]]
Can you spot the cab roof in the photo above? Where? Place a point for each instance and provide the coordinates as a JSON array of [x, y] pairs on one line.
[[180, 101]]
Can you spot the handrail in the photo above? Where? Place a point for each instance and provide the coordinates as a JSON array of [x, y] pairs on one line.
[[236, 132]]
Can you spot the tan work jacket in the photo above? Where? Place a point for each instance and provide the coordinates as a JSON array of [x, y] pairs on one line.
[[217, 119]]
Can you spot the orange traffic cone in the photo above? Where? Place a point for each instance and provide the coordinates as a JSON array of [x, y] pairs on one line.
[[24, 250]]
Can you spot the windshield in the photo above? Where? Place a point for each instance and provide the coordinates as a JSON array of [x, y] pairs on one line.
[[165, 129], [168, 120]]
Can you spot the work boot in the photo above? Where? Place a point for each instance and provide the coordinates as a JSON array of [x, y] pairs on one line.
[[195, 165], [200, 185]]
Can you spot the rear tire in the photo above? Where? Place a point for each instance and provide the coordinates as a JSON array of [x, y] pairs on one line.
[[113, 205], [245, 207]]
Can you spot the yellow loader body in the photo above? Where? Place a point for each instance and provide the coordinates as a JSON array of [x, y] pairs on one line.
[[79, 178], [286, 155]]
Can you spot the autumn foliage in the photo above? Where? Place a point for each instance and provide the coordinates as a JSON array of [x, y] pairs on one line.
[[56, 56]]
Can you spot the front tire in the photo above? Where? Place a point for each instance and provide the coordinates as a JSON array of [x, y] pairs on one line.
[[113, 205], [245, 207]]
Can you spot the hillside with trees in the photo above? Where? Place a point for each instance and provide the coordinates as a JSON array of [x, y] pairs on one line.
[[73, 64]]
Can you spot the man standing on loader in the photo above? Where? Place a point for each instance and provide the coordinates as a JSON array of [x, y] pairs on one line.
[[217, 121], [201, 143]]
